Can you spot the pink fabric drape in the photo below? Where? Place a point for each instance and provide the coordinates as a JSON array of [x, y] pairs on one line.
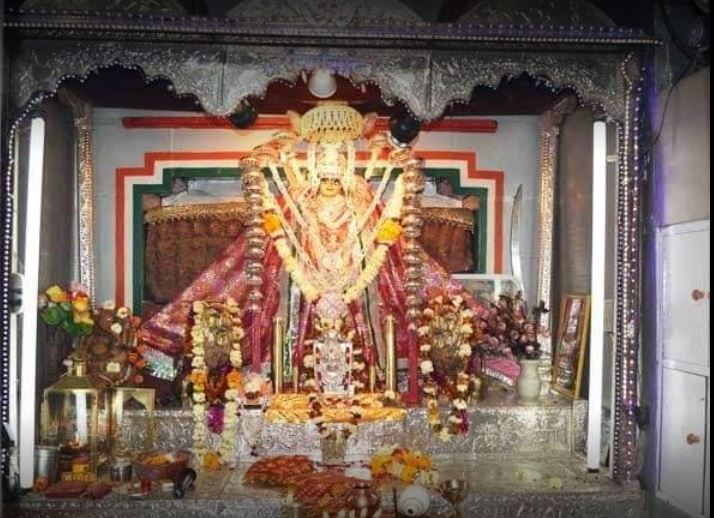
[[167, 330]]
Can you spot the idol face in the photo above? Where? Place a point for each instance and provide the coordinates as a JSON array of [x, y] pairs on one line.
[[330, 187]]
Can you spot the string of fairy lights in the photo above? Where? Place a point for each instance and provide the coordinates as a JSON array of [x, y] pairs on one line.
[[628, 281]]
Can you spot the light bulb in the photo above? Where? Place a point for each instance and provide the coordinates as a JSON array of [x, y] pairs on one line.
[[322, 83]]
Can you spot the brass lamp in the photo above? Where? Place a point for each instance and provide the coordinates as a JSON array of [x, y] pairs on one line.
[[70, 420]]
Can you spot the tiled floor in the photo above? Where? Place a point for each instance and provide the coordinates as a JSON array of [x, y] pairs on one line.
[[657, 508]]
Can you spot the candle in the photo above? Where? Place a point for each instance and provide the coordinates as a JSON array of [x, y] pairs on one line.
[[277, 358], [391, 363], [82, 433]]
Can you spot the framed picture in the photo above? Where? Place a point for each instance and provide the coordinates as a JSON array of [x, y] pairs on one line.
[[569, 351]]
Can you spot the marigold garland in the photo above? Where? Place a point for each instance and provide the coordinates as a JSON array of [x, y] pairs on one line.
[[405, 465], [388, 234], [447, 317], [208, 318]]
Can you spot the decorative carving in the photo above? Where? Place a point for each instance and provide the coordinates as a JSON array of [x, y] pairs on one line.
[[595, 79], [220, 77], [84, 130], [123, 6], [550, 122], [320, 13], [554, 13], [333, 362], [220, 74], [554, 117], [506, 430]]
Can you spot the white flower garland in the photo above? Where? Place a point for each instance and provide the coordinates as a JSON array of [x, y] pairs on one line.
[[311, 289], [200, 333], [308, 288], [464, 383]]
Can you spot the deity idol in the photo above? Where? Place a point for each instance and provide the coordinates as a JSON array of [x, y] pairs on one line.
[[322, 245]]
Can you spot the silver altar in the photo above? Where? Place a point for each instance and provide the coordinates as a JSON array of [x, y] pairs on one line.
[[499, 427]]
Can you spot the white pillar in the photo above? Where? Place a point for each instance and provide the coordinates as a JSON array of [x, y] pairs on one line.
[[30, 289], [597, 294]]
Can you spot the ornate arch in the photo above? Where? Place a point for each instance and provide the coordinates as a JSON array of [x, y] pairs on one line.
[[425, 66], [221, 76]]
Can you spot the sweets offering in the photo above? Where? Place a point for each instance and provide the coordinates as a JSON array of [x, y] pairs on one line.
[[280, 471], [158, 459]]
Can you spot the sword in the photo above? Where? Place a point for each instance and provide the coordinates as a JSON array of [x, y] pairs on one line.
[[516, 268]]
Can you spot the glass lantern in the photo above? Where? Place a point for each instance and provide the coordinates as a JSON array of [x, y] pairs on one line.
[[70, 421], [131, 420]]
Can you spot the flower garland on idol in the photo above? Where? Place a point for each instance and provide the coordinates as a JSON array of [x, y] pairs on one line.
[[446, 339], [309, 279], [217, 329]]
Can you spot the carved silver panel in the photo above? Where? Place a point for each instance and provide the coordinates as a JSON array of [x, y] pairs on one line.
[[220, 78], [595, 79], [426, 81], [84, 149], [499, 427], [557, 13], [320, 13], [122, 6], [550, 123]]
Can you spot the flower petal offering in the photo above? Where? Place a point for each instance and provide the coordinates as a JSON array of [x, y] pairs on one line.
[[404, 465]]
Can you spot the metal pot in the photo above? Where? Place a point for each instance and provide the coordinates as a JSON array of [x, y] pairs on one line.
[[364, 500], [120, 470], [47, 463]]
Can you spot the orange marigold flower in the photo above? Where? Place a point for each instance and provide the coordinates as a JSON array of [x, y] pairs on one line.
[[212, 461], [81, 304], [271, 223], [198, 378], [140, 364], [378, 464], [408, 474], [234, 379], [423, 462], [133, 357], [388, 231]]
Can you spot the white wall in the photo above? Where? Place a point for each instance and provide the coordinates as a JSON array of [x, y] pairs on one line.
[[682, 153], [513, 149]]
